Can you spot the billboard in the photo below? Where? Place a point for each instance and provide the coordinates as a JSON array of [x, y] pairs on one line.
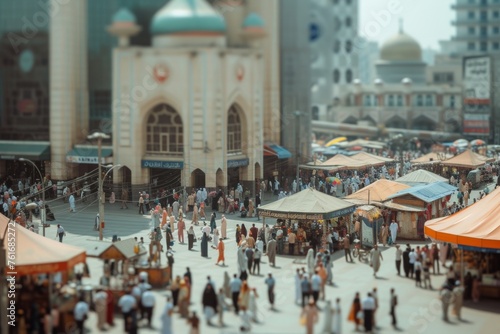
[[477, 95]]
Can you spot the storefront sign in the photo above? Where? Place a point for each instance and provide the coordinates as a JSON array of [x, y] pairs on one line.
[[237, 163], [162, 164], [76, 159], [305, 216]]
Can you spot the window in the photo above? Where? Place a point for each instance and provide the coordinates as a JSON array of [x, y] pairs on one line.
[[429, 101], [452, 101], [348, 21], [420, 101], [348, 76], [164, 131], [400, 100], [484, 31], [471, 46], [484, 15], [484, 46], [367, 100], [348, 2], [471, 15], [496, 14], [348, 46], [471, 30], [496, 30], [336, 76], [390, 100], [315, 113], [496, 46], [449, 77], [233, 131], [336, 46]]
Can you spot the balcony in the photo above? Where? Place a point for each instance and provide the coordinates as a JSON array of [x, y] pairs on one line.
[[472, 38]]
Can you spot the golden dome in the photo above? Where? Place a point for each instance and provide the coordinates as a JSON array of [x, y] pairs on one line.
[[401, 47]]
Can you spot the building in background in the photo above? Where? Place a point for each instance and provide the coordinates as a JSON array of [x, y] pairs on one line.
[[295, 78], [77, 96], [401, 97], [368, 54]]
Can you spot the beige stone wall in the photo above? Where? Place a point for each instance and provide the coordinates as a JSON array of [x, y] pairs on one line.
[[202, 85]]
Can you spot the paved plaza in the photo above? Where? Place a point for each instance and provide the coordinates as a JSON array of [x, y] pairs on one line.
[[419, 310]]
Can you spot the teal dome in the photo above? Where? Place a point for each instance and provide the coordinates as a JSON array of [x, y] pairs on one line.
[[253, 20], [124, 15], [180, 16]]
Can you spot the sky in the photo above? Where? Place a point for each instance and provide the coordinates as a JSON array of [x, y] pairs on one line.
[[428, 21]]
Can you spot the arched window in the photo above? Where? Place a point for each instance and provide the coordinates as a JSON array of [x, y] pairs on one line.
[[336, 76], [164, 131], [233, 131], [348, 76]]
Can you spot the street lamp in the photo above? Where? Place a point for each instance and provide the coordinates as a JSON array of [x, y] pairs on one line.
[[42, 209], [101, 204], [99, 136]]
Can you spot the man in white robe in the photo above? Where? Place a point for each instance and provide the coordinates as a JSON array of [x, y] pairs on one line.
[[394, 231]]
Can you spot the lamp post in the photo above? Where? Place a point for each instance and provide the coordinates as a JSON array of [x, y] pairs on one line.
[[42, 209], [101, 205], [99, 136], [297, 144]]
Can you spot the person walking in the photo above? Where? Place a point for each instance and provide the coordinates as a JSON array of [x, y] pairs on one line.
[[446, 298], [309, 316], [393, 304], [406, 260], [384, 234], [427, 273], [235, 285], [315, 286], [220, 248], [418, 272], [249, 254], [72, 207], [166, 317], [305, 287], [298, 290], [221, 305], [204, 245], [194, 323], [257, 254], [244, 304], [181, 226], [292, 238], [191, 237], [128, 305], [124, 199], [394, 231], [356, 313], [223, 228], [148, 303], [209, 302], [80, 314], [242, 263], [435, 257], [100, 302], [60, 232], [271, 252], [141, 205], [376, 257], [412, 258], [347, 248], [399, 254], [368, 306], [458, 299], [270, 282]]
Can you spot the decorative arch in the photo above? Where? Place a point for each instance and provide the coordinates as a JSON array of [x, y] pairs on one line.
[[164, 131], [237, 130], [198, 178], [423, 123], [369, 119], [350, 120], [396, 122], [219, 178]]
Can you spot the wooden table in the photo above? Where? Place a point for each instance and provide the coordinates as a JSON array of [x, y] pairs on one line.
[[158, 277]]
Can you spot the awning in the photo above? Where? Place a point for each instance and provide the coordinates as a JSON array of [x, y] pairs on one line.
[[33, 150], [89, 155], [273, 150]]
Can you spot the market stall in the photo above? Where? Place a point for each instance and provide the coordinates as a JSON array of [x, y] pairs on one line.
[[432, 198], [478, 235], [420, 176], [376, 193], [43, 267], [371, 221], [309, 207], [371, 159], [464, 162], [431, 158]]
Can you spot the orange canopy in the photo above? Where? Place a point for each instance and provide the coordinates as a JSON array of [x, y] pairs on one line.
[[379, 191], [477, 225], [467, 159], [35, 254]]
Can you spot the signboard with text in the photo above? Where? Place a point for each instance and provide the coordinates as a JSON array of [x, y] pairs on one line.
[[477, 73], [162, 164]]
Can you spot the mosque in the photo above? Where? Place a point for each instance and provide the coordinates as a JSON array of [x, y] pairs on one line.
[[404, 95], [188, 109]]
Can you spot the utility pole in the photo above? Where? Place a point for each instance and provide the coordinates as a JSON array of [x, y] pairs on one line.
[[297, 145]]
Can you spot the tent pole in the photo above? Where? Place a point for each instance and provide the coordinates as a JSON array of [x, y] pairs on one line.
[[462, 266]]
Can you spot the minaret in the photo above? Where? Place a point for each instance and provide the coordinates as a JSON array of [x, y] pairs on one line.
[[124, 26], [69, 112]]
